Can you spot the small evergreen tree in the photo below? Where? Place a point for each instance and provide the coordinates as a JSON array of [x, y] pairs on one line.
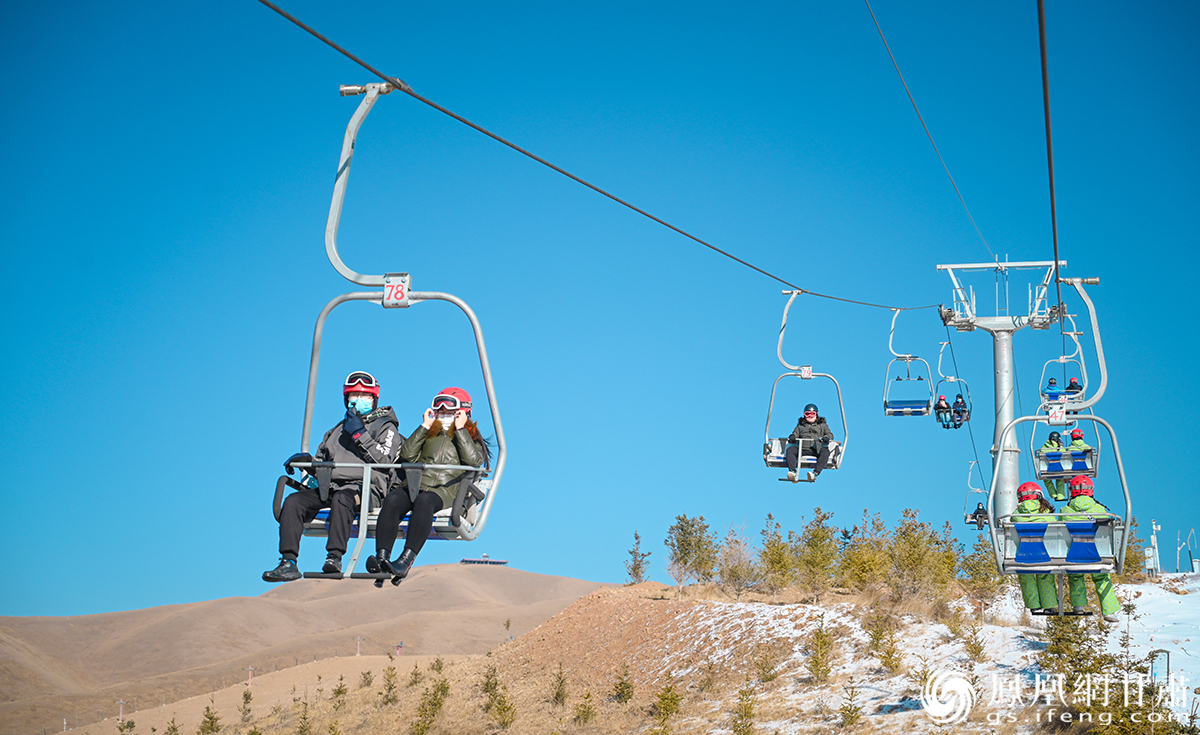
[[126, 726], [691, 551], [558, 691], [489, 685], [777, 564], [210, 723], [820, 647], [415, 676], [339, 694], [865, 559], [437, 665], [244, 710], [637, 567], [816, 554], [365, 680], [304, 726], [978, 573], [622, 690], [431, 704], [667, 703], [389, 695], [172, 728], [743, 711], [850, 710], [736, 571]]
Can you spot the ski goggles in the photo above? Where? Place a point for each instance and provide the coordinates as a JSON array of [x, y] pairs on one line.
[[443, 401], [366, 380], [810, 413]]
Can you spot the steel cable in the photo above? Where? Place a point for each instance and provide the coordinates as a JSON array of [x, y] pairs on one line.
[[404, 87]]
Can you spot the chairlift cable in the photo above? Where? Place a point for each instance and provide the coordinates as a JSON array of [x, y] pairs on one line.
[[983, 479], [404, 87], [1041, 6], [930, 136]]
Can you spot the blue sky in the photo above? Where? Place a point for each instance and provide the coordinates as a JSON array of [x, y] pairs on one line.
[[169, 169]]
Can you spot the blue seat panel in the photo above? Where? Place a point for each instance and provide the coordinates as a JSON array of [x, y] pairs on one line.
[[1083, 543], [1031, 547]]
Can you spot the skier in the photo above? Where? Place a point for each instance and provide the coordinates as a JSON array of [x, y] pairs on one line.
[[942, 408], [961, 412], [1082, 501], [810, 426], [367, 435], [1056, 488], [1038, 590], [446, 436]]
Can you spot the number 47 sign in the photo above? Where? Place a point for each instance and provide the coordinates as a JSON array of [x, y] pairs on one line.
[[395, 290]]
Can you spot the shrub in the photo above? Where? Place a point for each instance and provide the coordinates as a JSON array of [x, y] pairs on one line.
[[890, 655], [304, 726], [585, 711], [667, 703], [172, 728], [865, 560], [973, 644], [766, 661], [923, 563], [365, 679], [978, 573], [503, 711], [437, 665], [431, 704], [339, 694], [126, 726], [489, 685]]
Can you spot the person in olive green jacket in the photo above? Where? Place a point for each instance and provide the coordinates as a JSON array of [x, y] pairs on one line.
[[1037, 590], [1056, 488], [1077, 443], [1086, 508], [446, 436]]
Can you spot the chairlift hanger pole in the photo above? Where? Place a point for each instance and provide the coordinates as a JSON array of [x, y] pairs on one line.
[[797, 369]]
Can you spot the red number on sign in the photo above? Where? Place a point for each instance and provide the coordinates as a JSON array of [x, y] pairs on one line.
[[395, 291]]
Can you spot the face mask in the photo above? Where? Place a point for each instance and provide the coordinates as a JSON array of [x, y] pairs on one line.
[[361, 406], [446, 417]]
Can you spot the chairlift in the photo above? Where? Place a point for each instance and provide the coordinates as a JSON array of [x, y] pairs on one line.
[[1053, 546], [775, 448], [1059, 397], [975, 511], [1065, 464], [959, 416], [468, 515], [906, 406]]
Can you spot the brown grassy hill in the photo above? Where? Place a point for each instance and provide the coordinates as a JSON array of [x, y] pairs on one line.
[[52, 667]]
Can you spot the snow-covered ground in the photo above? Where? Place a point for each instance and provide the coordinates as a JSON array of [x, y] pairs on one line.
[[1169, 620]]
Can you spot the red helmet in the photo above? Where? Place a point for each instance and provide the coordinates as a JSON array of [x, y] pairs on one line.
[[1074, 380], [1081, 485], [360, 382], [1029, 491], [1077, 434], [453, 399], [941, 398]]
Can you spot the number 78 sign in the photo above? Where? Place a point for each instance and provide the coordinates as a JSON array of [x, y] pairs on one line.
[[395, 290]]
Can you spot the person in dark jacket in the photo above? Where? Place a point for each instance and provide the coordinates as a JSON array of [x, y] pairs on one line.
[[369, 435], [811, 426], [961, 412], [446, 436], [942, 409], [1073, 386]]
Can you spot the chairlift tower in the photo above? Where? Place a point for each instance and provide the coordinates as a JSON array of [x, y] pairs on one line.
[[964, 317]]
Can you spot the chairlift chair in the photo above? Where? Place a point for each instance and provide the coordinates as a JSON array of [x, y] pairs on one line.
[[975, 509], [467, 516], [1060, 398], [952, 380], [1054, 546], [775, 448], [906, 406]]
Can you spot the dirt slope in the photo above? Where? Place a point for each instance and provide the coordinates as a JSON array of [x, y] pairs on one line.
[[85, 663]]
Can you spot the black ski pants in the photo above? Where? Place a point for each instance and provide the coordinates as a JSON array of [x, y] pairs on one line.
[[396, 505], [791, 456], [302, 506]]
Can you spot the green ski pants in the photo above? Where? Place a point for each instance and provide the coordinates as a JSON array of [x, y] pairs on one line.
[[1038, 591], [1104, 590], [1056, 488]]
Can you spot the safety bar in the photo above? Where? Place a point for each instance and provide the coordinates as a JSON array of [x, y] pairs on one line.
[[996, 549]]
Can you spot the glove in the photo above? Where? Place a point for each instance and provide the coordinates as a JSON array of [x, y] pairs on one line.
[[353, 425], [297, 457]]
